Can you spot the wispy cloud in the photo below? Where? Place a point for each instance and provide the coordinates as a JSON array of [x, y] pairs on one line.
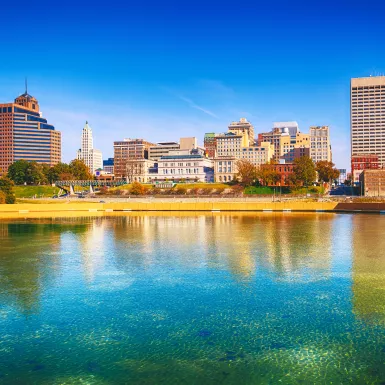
[[196, 106]]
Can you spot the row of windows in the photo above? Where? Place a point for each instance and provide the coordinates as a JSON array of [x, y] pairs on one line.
[[180, 164], [23, 111], [224, 169], [225, 179], [181, 171], [36, 119]]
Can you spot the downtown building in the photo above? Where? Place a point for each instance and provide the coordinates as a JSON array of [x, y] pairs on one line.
[[25, 134], [320, 146], [90, 156], [289, 143], [367, 121], [129, 150]]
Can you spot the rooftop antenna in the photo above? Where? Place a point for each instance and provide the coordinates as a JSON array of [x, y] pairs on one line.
[[26, 85]]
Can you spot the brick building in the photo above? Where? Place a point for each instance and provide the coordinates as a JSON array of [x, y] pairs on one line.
[[362, 162], [128, 149], [372, 183]]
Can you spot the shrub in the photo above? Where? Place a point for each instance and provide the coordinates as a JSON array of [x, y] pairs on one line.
[[219, 190], [137, 189], [194, 191], [103, 190], [2, 198], [207, 190], [181, 190], [237, 190]]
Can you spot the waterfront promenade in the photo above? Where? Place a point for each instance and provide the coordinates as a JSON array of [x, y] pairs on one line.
[[183, 205]]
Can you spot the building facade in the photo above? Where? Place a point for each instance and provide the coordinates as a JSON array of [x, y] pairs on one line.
[[258, 155], [320, 146], [225, 169], [210, 144], [91, 156], [129, 149], [161, 149], [362, 162], [139, 170], [188, 167], [284, 170], [343, 176], [243, 127], [108, 165], [367, 117], [291, 127], [230, 144], [372, 183], [294, 147], [25, 134]]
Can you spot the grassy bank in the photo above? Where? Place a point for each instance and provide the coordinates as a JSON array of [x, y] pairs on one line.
[[31, 191]]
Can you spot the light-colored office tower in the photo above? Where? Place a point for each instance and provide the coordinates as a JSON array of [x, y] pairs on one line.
[[258, 155], [320, 147], [367, 116], [289, 143], [293, 147], [161, 149], [230, 144], [91, 156], [243, 127]]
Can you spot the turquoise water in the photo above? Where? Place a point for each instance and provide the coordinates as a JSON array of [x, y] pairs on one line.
[[206, 299]]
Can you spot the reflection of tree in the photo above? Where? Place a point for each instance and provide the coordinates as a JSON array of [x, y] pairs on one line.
[[369, 268], [25, 262], [29, 259]]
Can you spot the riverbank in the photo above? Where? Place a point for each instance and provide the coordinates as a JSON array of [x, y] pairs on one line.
[[173, 205]]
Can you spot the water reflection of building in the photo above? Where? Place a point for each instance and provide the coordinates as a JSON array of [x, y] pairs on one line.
[[369, 268], [295, 246], [92, 248], [230, 242]]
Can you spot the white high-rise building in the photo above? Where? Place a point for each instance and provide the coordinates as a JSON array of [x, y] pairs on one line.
[[91, 157], [320, 146]]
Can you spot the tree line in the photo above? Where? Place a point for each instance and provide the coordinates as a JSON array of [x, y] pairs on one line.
[[304, 173], [24, 172]]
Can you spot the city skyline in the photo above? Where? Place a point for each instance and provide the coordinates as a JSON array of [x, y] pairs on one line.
[[187, 70]]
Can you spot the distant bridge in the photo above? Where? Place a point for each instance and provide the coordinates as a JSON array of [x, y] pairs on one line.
[[68, 185]]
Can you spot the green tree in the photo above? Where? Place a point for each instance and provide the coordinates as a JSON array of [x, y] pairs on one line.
[[6, 188], [17, 171], [79, 170], [326, 171], [35, 174], [247, 172], [303, 171], [58, 171]]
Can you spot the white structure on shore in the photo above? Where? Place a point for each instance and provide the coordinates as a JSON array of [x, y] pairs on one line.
[[91, 157]]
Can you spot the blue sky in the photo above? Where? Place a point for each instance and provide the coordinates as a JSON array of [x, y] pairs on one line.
[[165, 69]]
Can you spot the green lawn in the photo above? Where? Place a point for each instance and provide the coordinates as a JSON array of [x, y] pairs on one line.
[[39, 191], [263, 190]]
